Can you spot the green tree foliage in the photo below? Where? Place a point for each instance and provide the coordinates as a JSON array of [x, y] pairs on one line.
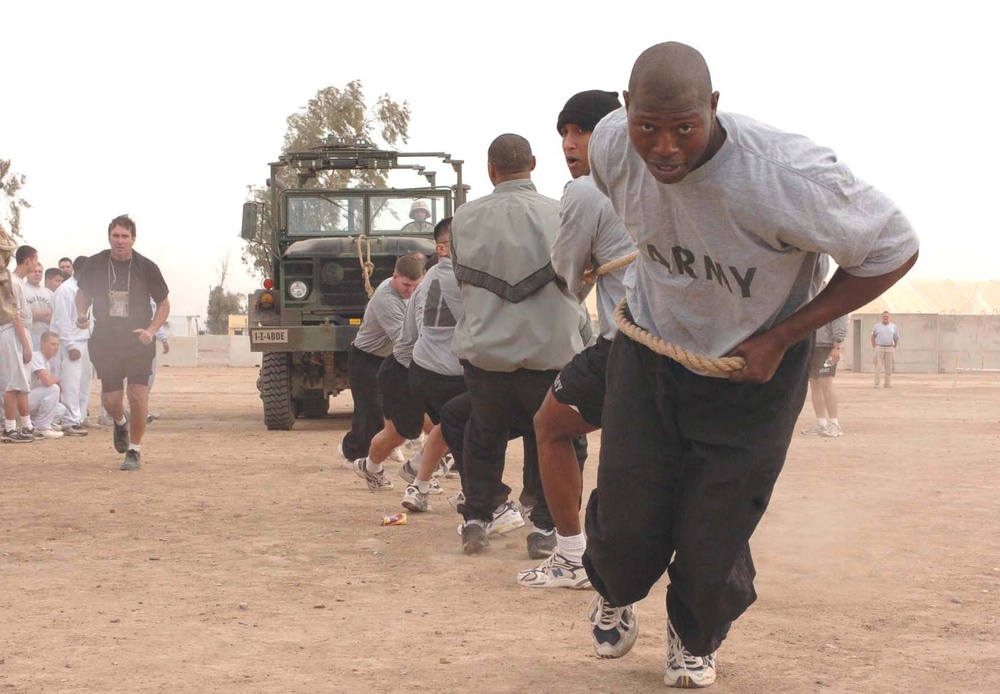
[[222, 304], [336, 113], [11, 202]]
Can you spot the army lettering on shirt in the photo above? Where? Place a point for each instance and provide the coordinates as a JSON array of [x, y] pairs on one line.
[[685, 263]]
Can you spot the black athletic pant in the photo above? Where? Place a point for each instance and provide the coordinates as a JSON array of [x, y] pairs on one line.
[[455, 417], [503, 403], [367, 420], [686, 471]]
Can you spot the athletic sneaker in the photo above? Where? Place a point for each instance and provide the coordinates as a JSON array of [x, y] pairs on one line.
[[443, 466], [686, 670], [614, 629], [121, 436], [397, 455], [474, 537], [105, 420], [541, 544], [414, 445], [452, 468], [376, 481], [74, 430], [51, 433], [152, 417], [131, 460], [33, 433], [833, 430], [16, 436], [506, 518], [555, 572], [816, 429], [409, 474], [415, 500], [456, 499]]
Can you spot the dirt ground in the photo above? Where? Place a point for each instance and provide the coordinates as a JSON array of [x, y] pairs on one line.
[[242, 560]]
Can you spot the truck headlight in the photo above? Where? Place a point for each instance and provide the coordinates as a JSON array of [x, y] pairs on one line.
[[298, 290]]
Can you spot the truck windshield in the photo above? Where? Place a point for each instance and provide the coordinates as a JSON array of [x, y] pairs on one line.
[[327, 215], [406, 215]]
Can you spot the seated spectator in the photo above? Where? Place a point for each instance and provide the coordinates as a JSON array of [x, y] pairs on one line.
[[43, 400]]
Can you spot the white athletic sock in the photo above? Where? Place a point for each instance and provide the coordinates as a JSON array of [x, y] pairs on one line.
[[134, 447], [572, 546], [121, 422], [371, 467], [9, 425], [821, 421], [424, 486], [26, 422]]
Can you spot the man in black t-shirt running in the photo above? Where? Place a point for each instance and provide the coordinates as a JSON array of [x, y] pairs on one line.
[[120, 283]]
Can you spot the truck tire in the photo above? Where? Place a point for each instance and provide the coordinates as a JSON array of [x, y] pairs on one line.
[[276, 391], [315, 404]]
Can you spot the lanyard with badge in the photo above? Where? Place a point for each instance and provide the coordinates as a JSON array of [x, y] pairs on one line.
[[117, 300]]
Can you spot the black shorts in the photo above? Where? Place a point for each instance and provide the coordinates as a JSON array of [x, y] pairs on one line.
[[818, 366], [398, 403], [114, 365], [432, 390], [581, 382]]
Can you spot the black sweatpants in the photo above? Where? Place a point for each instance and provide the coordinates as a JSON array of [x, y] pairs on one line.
[[367, 420], [686, 471]]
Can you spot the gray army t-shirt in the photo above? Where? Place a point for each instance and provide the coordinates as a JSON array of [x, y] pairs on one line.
[[383, 321], [734, 247]]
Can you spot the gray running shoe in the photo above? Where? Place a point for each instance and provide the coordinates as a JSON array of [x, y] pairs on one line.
[[474, 537], [407, 472], [614, 629], [131, 460], [33, 433], [415, 500], [105, 420], [16, 436], [376, 481], [541, 544], [76, 430], [121, 436]]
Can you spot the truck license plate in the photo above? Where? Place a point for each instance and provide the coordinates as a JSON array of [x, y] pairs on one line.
[[270, 335]]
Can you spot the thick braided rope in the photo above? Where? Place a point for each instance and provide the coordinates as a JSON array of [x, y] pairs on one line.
[[591, 275], [713, 365], [367, 266]]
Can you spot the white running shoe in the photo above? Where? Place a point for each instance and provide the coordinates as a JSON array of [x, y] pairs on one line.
[[415, 500], [456, 499], [614, 629], [555, 572], [816, 429], [833, 430], [376, 481], [50, 433], [683, 669], [397, 455], [506, 519]]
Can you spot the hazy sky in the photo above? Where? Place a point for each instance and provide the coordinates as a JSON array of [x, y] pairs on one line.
[[169, 113]]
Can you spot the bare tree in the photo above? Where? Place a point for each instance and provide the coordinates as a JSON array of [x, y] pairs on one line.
[[222, 303]]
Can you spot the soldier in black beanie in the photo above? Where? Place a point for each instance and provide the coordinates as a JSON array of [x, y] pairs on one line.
[[589, 232]]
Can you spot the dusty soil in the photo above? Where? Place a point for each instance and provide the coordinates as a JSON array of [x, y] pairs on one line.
[[241, 560]]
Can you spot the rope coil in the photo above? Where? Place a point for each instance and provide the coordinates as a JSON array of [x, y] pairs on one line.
[[718, 366], [367, 266]]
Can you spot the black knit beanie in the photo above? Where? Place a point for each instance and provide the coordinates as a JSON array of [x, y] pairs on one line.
[[586, 109]]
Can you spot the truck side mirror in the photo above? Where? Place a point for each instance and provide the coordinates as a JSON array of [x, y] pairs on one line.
[[251, 221]]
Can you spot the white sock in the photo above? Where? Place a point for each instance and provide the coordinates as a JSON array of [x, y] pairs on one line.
[[26, 422], [9, 425], [134, 447], [423, 486], [821, 421], [572, 546], [371, 467], [121, 422]]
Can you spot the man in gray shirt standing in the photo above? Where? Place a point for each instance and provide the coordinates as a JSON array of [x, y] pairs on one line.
[[885, 338], [380, 328]]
